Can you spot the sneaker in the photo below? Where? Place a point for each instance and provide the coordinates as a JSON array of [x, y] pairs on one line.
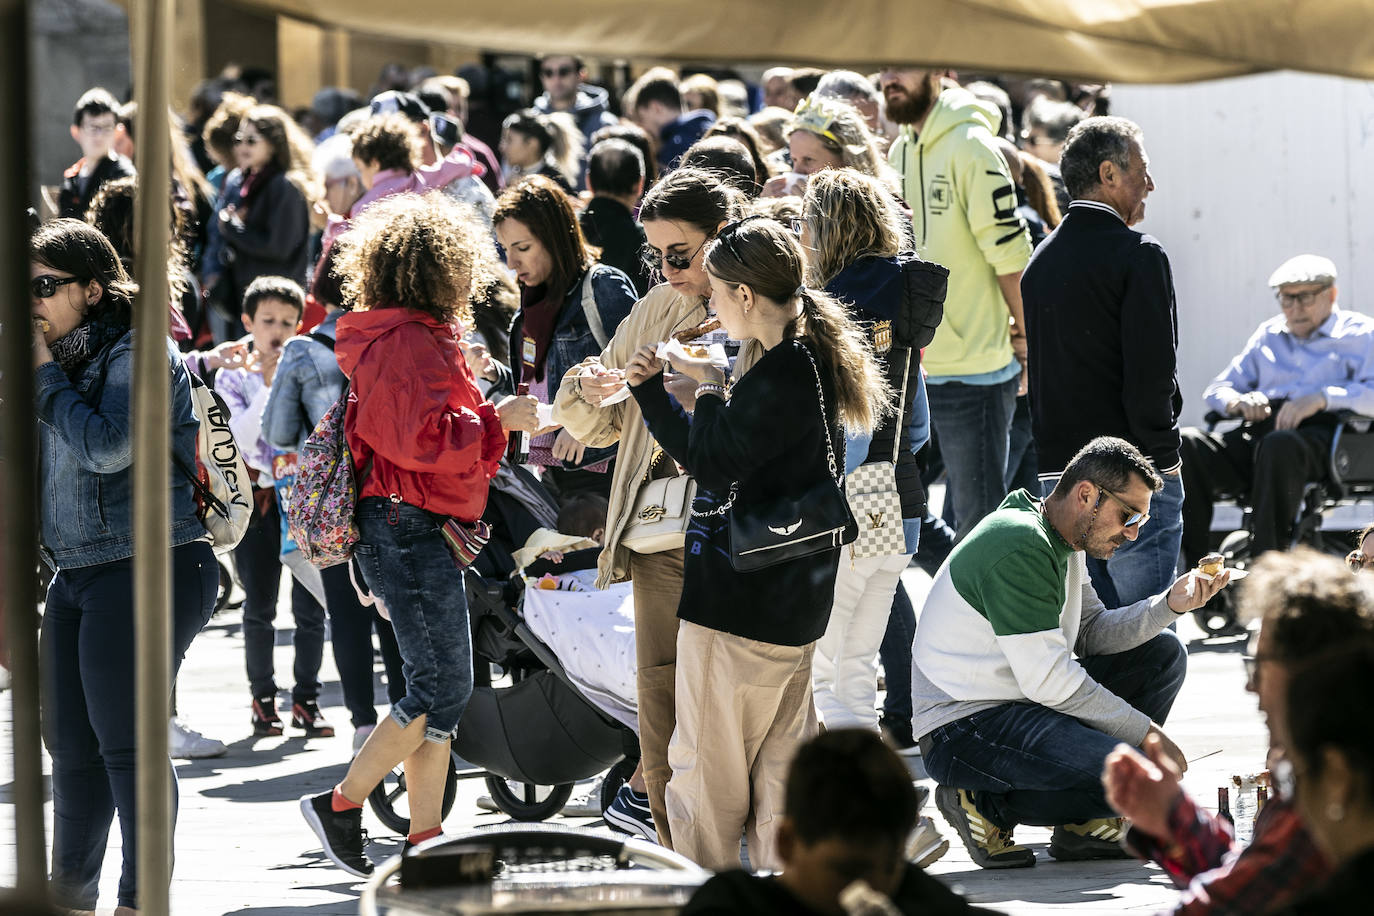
[[988, 845], [1095, 839], [188, 744], [265, 719], [629, 813], [588, 804], [360, 736], [340, 832], [898, 737], [306, 714], [926, 844]]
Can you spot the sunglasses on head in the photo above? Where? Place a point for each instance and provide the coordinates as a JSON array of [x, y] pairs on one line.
[[45, 286], [557, 71], [726, 234], [249, 139]]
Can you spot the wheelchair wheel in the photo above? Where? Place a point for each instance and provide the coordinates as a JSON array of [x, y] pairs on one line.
[[388, 800], [528, 802], [616, 777]]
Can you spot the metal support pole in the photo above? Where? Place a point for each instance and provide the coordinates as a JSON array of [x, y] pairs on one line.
[[17, 464], [151, 24]]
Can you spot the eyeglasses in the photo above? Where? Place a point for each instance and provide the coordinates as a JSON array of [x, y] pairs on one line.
[[652, 257], [798, 225], [249, 139], [97, 130], [45, 286], [1134, 516], [1303, 299], [1252, 667], [551, 72], [1358, 561]]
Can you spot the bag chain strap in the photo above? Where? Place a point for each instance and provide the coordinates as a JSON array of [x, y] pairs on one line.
[[829, 445]]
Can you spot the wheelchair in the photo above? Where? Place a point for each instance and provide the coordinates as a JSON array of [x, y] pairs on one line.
[[1330, 513]]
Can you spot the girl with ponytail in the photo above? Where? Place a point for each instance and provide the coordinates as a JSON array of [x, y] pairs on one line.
[[746, 639], [681, 214], [533, 143]]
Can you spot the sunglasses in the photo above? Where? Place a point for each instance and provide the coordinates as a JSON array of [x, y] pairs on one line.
[[550, 72], [724, 236], [1134, 516], [248, 139], [652, 257], [45, 286]]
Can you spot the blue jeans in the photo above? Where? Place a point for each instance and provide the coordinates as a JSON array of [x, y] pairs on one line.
[[351, 627], [973, 426], [1148, 565], [1027, 764], [407, 564], [87, 647]]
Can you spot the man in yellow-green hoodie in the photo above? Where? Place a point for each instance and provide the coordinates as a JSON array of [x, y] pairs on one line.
[[963, 207]]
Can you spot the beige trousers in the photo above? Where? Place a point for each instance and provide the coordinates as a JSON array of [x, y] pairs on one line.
[[743, 708], [657, 582]]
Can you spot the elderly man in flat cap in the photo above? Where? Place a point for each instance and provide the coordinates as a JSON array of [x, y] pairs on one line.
[[1296, 371]]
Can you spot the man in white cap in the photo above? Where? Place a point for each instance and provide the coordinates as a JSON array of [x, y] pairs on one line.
[[1297, 370]]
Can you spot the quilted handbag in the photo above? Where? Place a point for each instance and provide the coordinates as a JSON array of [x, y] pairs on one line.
[[661, 513], [319, 517], [788, 528], [874, 499]]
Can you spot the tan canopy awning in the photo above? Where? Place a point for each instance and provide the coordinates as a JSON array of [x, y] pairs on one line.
[[1140, 41]]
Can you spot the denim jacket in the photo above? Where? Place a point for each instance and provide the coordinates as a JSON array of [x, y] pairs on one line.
[[85, 452], [573, 340], [307, 383]]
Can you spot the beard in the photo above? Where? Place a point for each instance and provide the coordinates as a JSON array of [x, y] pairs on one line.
[[909, 107]]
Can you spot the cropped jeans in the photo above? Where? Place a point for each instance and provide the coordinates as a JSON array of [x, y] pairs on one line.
[[406, 563], [87, 654]]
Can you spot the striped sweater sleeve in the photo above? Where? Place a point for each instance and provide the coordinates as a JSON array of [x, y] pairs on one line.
[[1023, 600]]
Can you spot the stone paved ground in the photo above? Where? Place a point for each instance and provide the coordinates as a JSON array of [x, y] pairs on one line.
[[243, 849]]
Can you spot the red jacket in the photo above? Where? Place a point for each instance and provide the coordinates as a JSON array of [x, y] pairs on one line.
[[415, 412]]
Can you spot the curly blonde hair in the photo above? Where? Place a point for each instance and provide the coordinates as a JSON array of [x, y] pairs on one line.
[[416, 251], [850, 215]]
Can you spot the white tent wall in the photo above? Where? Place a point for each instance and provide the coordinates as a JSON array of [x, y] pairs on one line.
[[1248, 172]]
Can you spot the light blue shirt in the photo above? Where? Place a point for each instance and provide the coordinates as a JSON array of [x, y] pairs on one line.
[[1337, 360]]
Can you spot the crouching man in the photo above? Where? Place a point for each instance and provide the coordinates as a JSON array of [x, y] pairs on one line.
[[1023, 682]]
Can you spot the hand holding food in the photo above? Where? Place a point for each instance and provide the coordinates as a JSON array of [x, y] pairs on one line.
[[645, 364], [1194, 588], [597, 383], [1211, 564]]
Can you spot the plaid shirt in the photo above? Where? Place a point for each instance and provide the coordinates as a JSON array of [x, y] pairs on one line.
[[1219, 876]]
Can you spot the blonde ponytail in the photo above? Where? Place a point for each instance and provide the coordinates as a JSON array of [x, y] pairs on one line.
[[862, 394]]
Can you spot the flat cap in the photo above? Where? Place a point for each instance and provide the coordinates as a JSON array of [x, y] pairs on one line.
[[1305, 268]]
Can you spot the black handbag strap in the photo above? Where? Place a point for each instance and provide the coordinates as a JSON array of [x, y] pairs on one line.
[[836, 472]]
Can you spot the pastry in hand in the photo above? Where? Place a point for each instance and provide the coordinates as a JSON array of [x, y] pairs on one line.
[[1212, 564], [41, 325]]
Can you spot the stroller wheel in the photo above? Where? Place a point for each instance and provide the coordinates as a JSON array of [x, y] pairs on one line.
[[526, 801], [388, 799], [616, 777], [226, 585]]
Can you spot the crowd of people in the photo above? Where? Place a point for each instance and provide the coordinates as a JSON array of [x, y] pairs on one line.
[[800, 317]]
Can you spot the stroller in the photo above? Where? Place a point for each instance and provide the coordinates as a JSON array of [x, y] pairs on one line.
[[533, 738]]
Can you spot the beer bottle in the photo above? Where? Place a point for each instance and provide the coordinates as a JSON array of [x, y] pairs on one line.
[[518, 447], [1224, 805], [1261, 798]]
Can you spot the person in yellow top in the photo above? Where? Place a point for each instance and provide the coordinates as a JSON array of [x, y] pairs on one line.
[[680, 215], [963, 207]]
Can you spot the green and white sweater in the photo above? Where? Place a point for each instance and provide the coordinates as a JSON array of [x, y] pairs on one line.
[[1007, 617]]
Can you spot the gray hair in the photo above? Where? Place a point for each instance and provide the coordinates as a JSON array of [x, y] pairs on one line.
[[333, 158], [1091, 142], [847, 85], [1109, 463], [1055, 118]]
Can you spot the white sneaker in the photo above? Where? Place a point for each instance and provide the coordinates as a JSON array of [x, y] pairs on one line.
[[926, 844], [188, 744], [360, 736], [586, 804]]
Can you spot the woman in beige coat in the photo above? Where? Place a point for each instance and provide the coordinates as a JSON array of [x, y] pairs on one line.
[[680, 215]]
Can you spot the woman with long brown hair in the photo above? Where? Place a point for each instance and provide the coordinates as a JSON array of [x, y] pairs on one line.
[[570, 305], [746, 638]]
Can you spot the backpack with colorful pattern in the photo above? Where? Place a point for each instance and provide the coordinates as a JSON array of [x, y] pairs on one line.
[[319, 517]]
